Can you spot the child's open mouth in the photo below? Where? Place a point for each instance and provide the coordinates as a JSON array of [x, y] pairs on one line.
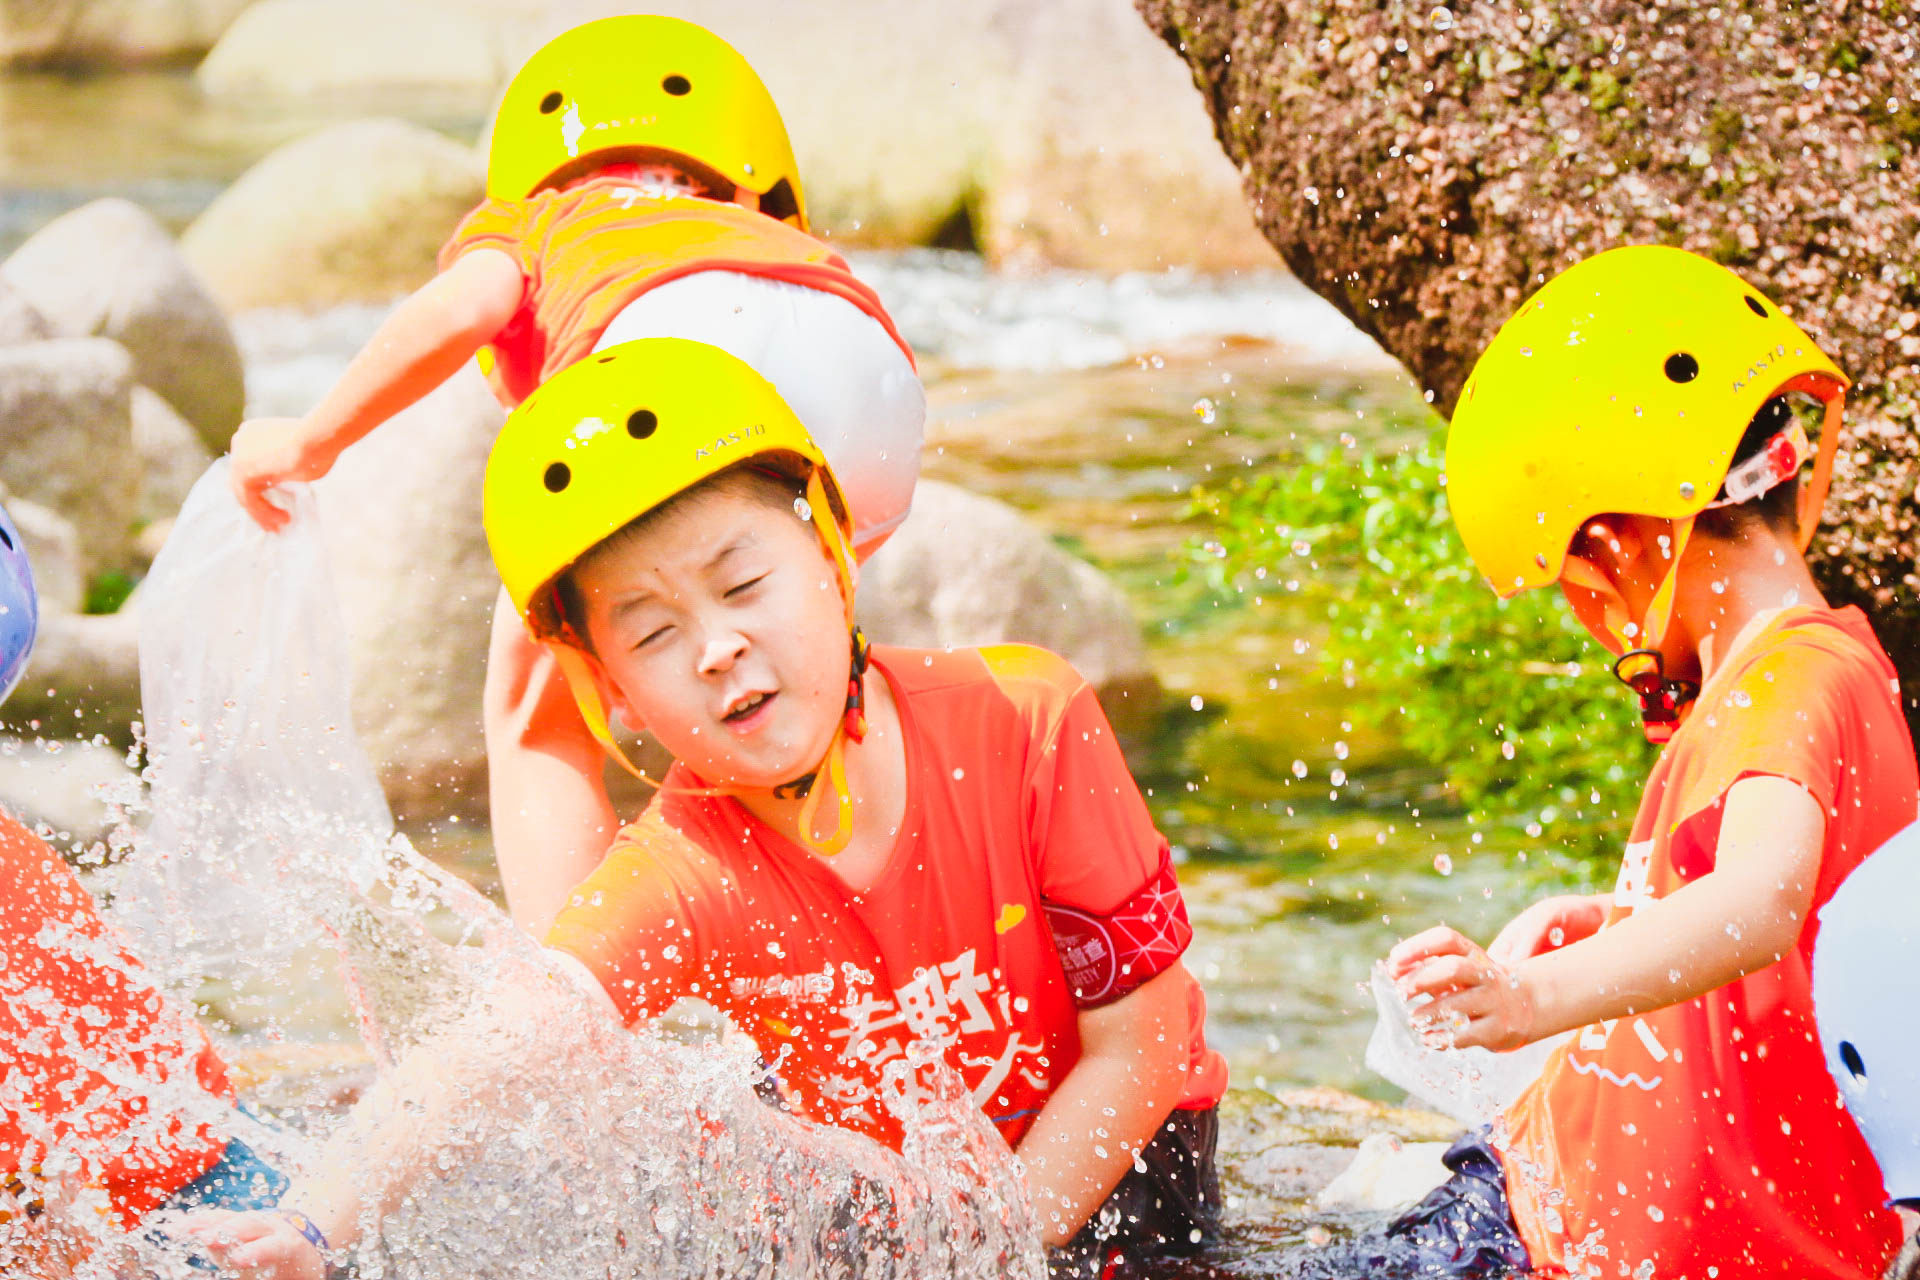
[[748, 709]]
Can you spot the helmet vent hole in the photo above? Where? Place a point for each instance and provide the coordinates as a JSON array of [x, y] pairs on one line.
[[551, 103], [678, 86], [641, 422], [1753, 305], [1851, 1060], [6, 538], [603, 359], [1682, 367], [558, 477]]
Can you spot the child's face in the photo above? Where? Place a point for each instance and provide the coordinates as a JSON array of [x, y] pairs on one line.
[[721, 630]]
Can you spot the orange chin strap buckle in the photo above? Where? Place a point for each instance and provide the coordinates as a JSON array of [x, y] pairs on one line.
[[1662, 701], [855, 718]]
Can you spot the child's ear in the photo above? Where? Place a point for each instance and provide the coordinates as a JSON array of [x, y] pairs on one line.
[[619, 707]]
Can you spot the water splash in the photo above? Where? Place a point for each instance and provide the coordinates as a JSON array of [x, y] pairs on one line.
[[562, 1144]]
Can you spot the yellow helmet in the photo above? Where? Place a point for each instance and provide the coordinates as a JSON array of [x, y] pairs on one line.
[[619, 433], [1622, 386], [614, 436], [642, 84]]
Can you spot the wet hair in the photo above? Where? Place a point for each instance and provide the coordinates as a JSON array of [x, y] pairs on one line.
[[775, 483], [1778, 509]]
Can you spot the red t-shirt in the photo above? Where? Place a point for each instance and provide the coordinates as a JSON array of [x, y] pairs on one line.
[[1026, 853], [592, 248], [89, 1048], [1708, 1138]]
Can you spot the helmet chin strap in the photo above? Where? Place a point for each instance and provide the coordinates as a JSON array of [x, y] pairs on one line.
[[1640, 665]]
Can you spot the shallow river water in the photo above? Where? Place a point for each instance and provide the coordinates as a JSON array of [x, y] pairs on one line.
[[1309, 841]]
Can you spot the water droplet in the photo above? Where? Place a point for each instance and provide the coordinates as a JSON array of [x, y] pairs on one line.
[[1338, 777], [1197, 702], [1443, 863], [958, 774], [1340, 751], [1506, 749], [1557, 936], [1299, 768], [1441, 19], [1741, 698], [1203, 409]]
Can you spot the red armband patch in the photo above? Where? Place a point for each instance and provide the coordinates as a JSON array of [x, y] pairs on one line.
[[1112, 955]]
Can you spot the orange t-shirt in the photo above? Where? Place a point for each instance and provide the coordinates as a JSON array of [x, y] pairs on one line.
[[1027, 881], [588, 251], [94, 1060], [1708, 1138]]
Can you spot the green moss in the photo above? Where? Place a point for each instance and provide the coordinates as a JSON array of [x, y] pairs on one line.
[[108, 591], [1724, 129], [1606, 92], [1848, 58]]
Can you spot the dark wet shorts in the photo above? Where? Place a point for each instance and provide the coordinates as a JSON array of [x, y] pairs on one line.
[[1464, 1228], [1169, 1206], [240, 1181]]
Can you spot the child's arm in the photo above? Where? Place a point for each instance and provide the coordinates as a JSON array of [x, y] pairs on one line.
[[1740, 917], [387, 1141], [552, 821], [1133, 1065], [422, 344]]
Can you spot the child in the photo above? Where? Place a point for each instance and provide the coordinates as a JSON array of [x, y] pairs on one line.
[[640, 183], [1627, 434], [857, 849], [1866, 985], [108, 1088]]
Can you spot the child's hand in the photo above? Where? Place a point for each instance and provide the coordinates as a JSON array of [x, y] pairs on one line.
[[262, 1245], [1474, 1000], [1548, 925], [266, 452]]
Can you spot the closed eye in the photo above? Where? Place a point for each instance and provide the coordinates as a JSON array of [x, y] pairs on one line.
[[734, 593], [652, 636]]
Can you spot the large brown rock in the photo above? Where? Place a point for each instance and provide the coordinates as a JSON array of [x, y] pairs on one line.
[[108, 269], [352, 213], [109, 33], [1424, 167], [66, 437]]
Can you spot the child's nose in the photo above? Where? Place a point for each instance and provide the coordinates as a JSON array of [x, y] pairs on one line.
[[721, 650]]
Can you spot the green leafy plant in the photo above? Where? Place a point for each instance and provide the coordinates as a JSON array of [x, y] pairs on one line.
[[1510, 699]]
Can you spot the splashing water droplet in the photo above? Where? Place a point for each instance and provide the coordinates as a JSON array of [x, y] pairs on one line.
[[1205, 410], [1299, 768], [1441, 19], [1443, 863], [1557, 936]]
